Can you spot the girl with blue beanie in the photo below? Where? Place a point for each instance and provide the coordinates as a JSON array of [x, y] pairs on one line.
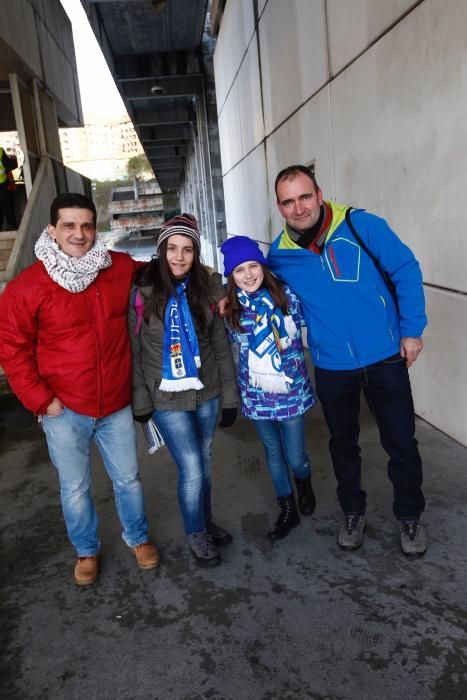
[[264, 319]]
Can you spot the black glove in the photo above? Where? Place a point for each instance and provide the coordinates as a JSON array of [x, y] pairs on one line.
[[228, 417], [144, 418]]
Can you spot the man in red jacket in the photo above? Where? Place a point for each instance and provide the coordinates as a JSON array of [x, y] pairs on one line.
[[65, 350]]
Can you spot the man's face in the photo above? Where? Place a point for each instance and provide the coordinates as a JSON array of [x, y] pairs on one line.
[[299, 202], [75, 232]]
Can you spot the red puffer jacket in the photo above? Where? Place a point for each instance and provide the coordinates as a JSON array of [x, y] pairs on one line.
[[73, 346]]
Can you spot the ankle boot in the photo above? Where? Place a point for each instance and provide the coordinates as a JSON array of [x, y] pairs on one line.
[[288, 518], [305, 496]]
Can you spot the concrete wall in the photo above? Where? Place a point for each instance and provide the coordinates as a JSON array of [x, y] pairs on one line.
[[374, 93], [37, 34]]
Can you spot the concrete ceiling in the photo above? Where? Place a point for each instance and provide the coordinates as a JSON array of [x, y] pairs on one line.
[[153, 48]]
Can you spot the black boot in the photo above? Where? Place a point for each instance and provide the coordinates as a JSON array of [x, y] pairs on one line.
[[305, 496], [219, 536], [288, 518]]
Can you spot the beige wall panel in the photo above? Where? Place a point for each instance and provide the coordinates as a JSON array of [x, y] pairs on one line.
[[439, 377], [246, 198], [399, 117], [237, 27], [354, 24], [293, 56], [304, 138], [241, 119], [230, 137], [249, 101]]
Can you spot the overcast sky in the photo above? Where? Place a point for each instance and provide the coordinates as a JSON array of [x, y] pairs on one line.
[[99, 94]]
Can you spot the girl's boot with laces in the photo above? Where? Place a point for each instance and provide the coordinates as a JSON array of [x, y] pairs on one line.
[[288, 518]]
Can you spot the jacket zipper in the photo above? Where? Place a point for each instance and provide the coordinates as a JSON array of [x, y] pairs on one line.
[[98, 350]]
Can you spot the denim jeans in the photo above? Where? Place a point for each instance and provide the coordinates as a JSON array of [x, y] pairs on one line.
[[386, 386], [188, 436], [69, 437], [284, 444]]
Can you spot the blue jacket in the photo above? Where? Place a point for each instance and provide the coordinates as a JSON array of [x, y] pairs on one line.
[[349, 312], [258, 404]]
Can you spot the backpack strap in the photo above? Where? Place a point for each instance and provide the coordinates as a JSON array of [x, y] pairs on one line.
[[138, 303], [386, 278]]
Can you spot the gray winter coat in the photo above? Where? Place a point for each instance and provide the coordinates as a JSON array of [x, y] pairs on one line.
[[217, 371]]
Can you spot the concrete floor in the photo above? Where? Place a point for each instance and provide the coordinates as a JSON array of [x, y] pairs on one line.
[[299, 619]]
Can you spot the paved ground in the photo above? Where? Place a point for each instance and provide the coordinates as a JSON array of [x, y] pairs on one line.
[[299, 619]]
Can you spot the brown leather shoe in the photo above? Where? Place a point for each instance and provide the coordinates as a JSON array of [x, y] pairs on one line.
[[86, 570], [147, 555]]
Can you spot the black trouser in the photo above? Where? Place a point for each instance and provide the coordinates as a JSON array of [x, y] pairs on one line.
[[386, 386], [7, 207]]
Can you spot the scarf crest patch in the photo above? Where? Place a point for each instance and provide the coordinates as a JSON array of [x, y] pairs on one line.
[[272, 333], [180, 359]]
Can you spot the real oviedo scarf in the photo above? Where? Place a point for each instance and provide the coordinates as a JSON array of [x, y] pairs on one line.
[[180, 358], [272, 333]]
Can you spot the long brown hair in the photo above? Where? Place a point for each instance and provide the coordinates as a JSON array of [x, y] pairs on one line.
[[274, 286], [157, 275]]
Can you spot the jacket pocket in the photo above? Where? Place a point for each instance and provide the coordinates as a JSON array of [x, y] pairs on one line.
[[343, 260], [209, 374], [161, 396]]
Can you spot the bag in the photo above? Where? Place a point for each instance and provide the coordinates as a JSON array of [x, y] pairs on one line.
[[153, 437], [386, 278]]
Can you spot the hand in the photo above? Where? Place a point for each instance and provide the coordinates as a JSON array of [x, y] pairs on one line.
[[221, 306], [411, 349], [144, 418], [228, 417], [55, 408]]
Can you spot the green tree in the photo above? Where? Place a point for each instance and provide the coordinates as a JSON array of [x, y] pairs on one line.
[[138, 166]]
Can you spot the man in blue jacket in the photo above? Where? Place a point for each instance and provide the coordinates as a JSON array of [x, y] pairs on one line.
[[362, 335]]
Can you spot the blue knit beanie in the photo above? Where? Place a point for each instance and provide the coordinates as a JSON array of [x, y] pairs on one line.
[[240, 249]]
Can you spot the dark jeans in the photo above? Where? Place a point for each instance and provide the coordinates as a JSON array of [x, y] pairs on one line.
[[7, 208], [386, 386]]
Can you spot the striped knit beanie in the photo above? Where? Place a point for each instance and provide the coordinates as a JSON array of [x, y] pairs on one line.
[[183, 224]]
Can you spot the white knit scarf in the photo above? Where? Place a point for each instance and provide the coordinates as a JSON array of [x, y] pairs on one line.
[[73, 274]]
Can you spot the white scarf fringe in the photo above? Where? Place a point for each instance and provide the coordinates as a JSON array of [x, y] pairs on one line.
[[181, 384], [263, 376]]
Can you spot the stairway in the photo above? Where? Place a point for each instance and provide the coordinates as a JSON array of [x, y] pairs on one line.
[[7, 239]]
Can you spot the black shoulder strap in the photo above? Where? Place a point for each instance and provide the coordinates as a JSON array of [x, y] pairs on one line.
[[359, 240], [386, 278]]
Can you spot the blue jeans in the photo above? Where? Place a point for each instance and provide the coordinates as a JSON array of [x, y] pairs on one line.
[[386, 386], [188, 436], [69, 437], [284, 444]]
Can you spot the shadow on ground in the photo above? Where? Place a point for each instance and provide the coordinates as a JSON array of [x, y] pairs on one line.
[[299, 619]]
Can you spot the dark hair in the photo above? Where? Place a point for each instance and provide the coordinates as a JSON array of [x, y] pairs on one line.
[[291, 171], [71, 200], [274, 286], [157, 275]]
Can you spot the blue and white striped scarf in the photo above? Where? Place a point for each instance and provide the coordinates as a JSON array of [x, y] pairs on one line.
[[272, 333], [180, 358]]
